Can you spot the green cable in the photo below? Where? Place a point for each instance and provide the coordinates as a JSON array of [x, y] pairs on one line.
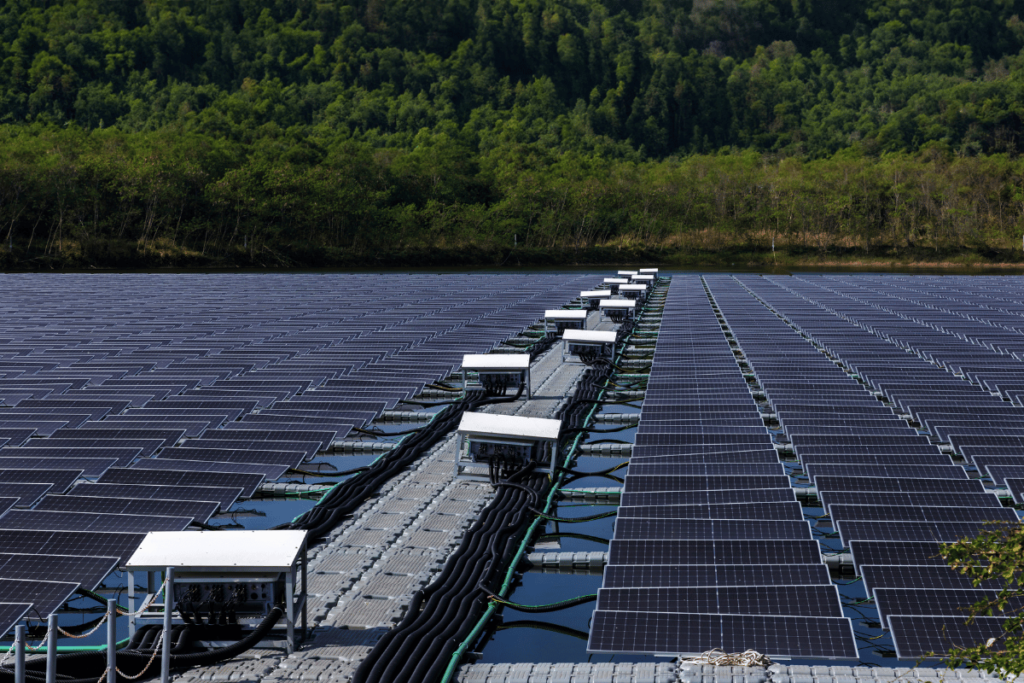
[[510, 574], [81, 648]]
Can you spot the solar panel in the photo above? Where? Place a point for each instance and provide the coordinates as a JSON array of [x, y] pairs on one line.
[[16, 437], [933, 602], [713, 552], [146, 447], [91, 467], [964, 500], [903, 553], [915, 576], [269, 472], [702, 497], [806, 601], [904, 513], [695, 575], [120, 456], [119, 475], [224, 496], [255, 436], [59, 479], [85, 570], [11, 613], [59, 520], [685, 634], [943, 532], [918, 485], [95, 430], [761, 511], [645, 469], [46, 596], [696, 483], [710, 529], [291, 459], [926, 637], [200, 511], [26, 493]]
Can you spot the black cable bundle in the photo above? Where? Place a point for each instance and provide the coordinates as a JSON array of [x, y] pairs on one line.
[[443, 613]]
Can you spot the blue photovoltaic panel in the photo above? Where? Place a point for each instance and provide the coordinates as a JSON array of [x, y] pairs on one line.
[[200, 511], [710, 529], [223, 496], [60, 480], [915, 576], [713, 552], [11, 613], [26, 493], [759, 511], [650, 576], [59, 520], [247, 482], [686, 634], [269, 471], [803, 601], [926, 637]]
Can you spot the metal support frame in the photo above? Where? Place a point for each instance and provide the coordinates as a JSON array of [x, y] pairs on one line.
[[295, 606], [19, 653], [112, 641]]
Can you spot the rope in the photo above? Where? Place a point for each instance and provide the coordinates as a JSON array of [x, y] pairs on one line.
[[87, 633], [718, 657], [145, 605], [156, 650]]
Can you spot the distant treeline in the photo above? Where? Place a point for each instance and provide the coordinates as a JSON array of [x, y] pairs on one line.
[[109, 198]]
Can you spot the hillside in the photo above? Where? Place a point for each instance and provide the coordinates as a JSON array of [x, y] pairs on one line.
[[325, 132]]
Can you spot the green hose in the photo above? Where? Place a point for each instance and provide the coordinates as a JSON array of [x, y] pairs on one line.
[[81, 648]]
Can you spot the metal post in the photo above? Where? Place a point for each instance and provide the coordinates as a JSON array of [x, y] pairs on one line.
[[51, 649], [289, 603], [19, 654], [131, 603], [111, 641], [165, 658]]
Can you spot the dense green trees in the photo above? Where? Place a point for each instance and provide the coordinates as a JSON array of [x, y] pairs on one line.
[[294, 127]]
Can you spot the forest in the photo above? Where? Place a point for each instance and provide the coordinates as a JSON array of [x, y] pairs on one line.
[[318, 133]]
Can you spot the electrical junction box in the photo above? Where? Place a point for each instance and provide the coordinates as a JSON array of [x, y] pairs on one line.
[[497, 372], [648, 271], [248, 595], [643, 279], [618, 310], [559, 320], [637, 292], [591, 298], [492, 442], [243, 573], [614, 282], [627, 273], [587, 345]]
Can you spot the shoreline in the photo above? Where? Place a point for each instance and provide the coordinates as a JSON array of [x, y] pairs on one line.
[[125, 256]]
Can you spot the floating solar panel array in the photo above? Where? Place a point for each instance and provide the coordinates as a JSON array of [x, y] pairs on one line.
[[135, 403], [711, 549], [892, 495]]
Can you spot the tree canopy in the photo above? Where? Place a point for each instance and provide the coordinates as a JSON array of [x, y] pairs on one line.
[[434, 121]]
